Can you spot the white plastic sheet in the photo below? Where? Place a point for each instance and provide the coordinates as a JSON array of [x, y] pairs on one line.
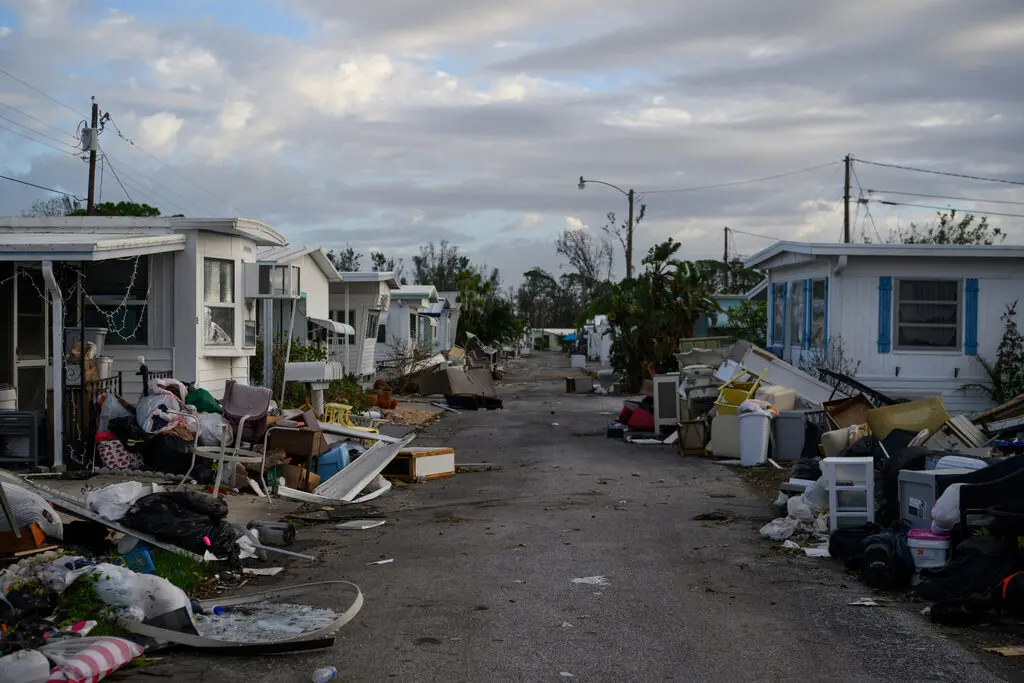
[[112, 502]]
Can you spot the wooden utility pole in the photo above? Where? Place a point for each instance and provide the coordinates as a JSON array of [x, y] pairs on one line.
[[846, 199], [92, 160], [725, 258], [629, 237]]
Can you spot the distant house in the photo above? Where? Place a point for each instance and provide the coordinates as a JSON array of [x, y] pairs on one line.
[[913, 319], [361, 300], [409, 323], [706, 327], [447, 312]]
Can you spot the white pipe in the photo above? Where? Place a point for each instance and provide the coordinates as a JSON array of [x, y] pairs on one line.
[[58, 362], [287, 353]]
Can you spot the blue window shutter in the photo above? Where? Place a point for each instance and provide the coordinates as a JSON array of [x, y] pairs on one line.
[[808, 303], [771, 315], [971, 317], [825, 335], [885, 314], [785, 316]]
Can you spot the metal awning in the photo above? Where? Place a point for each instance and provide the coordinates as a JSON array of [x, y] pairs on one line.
[[333, 326], [53, 245]]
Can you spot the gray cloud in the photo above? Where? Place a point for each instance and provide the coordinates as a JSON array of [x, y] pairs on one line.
[[360, 140]]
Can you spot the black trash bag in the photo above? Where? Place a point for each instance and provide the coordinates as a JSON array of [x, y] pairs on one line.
[[184, 518], [887, 563], [847, 544], [812, 437], [978, 563], [168, 453], [129, 433], [806, 468]]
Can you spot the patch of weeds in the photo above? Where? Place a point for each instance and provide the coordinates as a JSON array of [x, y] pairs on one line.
[[184, 572], [81, 603]]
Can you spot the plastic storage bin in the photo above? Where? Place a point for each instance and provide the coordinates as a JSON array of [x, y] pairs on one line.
[[754, 429], [851, 491], [929, 550], [332, 462]]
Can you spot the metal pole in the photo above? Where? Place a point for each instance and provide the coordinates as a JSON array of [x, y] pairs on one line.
[[848, 161], [287, 354], [81, 357], [629, 238]]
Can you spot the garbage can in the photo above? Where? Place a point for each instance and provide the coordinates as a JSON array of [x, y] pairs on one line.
[[754, 428]]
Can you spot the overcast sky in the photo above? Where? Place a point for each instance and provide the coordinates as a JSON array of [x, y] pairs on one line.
[[390, 123]]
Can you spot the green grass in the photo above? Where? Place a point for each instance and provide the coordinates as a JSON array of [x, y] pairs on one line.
[[184, 572], [81, 603]]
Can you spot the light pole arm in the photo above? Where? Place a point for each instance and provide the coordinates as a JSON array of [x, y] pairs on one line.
[[583, 183]]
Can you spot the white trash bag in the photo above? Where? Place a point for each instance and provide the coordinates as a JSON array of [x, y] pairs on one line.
[[213, 428], [112, 502], [946, 511], [28, 506], [151, 595], [799, 510], [780, 529]]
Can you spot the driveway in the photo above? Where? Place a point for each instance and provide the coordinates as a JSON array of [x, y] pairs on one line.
[[484, 586]]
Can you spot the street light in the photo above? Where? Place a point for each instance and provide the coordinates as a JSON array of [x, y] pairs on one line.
[[631, 196]]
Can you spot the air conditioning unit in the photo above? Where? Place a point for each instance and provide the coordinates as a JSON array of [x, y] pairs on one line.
[[271, 281]]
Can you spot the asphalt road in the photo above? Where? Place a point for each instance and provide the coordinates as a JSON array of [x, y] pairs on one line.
[[482, 584]]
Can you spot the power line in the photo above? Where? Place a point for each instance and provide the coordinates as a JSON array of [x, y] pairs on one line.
[[119, 182], [942, 196], [944, 208], [177, 199], [44, 94], [39, 132], [48, 189], [36, 118], [754, 234], [39, 142], [741, 182], [163, 163], [945, 173]]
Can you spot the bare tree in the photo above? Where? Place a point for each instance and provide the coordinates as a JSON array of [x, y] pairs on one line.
[[623, 234], [590, 258], [382, 264], [439, 265], [54, 206]]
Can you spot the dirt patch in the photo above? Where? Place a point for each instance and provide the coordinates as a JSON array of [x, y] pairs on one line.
[[764, 480], [413, 417]]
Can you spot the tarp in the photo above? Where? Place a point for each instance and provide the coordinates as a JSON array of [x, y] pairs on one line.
[[569, 337]]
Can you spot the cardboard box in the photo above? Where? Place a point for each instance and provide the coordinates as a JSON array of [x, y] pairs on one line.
[[298, 443], [295, 477], [579, 385]]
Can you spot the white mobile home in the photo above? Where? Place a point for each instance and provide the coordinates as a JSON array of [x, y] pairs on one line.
[[168, 289], [912, 318], [407, 321], [361, 300], [447, 312]]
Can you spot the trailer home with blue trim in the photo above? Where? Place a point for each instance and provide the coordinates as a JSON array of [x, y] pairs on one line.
[[912, 319]]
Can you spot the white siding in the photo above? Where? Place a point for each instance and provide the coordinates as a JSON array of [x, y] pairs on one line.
[[315, 286], [215, 372], [853, 315]]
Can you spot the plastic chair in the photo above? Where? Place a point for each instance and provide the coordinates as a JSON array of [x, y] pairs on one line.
[[246, 408], [341, 414]]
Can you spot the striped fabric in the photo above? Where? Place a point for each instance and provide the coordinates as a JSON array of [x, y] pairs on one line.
[[100, 658]]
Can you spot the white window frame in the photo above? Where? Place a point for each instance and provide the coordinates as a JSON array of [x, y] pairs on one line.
[[958, 345], [233, 305]]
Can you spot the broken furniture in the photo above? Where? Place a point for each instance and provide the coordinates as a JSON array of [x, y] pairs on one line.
[[851, 491], [926, 413], [735, 391], [918, 491], [694, 436], [247, 409], [665, 392], [421, 464], [772, 370], [579, 385], [847, 386], [303, 445]]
